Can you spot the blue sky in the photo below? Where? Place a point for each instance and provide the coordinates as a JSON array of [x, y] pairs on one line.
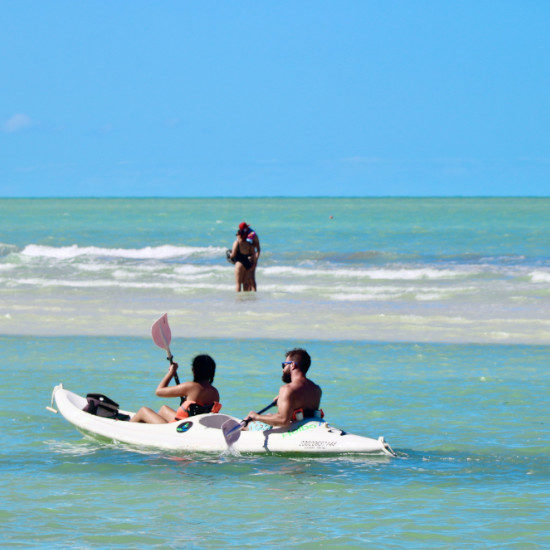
[[274, 98]]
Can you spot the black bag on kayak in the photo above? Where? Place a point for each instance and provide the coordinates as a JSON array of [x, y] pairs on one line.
[[101, 405]]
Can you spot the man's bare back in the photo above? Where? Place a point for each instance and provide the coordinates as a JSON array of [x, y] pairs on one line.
[[298, 392], [301, 394]]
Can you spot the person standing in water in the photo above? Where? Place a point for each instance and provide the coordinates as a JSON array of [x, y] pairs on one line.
[[252, 238], [245, 254]]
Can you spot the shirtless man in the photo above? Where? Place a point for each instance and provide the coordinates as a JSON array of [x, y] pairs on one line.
[[298, 392], [242, 254]]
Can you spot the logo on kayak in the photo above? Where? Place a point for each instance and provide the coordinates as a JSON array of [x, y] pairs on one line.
[[302, 428], [183, 427]]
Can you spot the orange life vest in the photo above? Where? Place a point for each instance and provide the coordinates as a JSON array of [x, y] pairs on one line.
[[191, 408]]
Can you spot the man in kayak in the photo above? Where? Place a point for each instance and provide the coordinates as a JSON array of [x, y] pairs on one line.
[[199, 396], [298, 395]]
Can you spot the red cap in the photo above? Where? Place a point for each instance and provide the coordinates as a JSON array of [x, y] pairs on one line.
[[243, 225]]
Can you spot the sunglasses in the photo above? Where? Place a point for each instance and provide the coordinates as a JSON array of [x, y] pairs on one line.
[[285, 363]]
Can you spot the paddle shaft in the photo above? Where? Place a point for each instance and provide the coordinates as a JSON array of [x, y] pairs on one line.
[[272, 404], [176, 377], [244, 423], [170, 358]]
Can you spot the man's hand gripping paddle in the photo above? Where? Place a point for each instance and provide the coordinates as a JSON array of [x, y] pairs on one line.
[[162, 335], [232, 429]]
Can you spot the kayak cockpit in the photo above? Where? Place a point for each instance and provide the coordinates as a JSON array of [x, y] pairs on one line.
[[215, 420], [77, 400]]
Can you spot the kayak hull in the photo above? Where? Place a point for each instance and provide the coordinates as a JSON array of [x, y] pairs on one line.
[[203, 433]]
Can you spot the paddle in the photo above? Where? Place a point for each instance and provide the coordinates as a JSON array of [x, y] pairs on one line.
[[232, 430], [162, 335]]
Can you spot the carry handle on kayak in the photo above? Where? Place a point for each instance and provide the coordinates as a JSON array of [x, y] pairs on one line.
[[162, 336]]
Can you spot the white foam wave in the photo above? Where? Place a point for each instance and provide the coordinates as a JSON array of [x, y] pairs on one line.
[[190, 269], [94, 268], [100, 283], [411, 274], [153, 268], [375, 296], [121, 284], [175, 275], [386, 292], [374, 274], [163, 252], [361, 297], [286, 288], [540, 276]]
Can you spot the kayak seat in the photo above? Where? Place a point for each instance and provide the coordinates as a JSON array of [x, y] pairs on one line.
[[300, 414], [101, 405]]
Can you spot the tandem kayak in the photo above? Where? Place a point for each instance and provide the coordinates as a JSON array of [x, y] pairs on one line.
[[203, 433]]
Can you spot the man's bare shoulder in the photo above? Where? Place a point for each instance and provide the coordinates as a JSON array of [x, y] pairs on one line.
[[318, 391], [294, 388], [285, 390], [312, 383]]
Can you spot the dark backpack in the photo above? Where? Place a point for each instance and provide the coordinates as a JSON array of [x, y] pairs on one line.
[[101, 405]]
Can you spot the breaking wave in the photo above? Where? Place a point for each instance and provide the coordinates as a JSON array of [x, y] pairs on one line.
[[170, 269], [163, 252]]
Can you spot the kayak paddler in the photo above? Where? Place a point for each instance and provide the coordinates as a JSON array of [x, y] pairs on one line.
[[299, 397], [198, 396]]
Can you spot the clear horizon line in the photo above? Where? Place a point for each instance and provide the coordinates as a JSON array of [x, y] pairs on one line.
[[67, 197]]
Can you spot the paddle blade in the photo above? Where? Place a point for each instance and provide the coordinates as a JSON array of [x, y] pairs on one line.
[[160, 331], [231, 430]]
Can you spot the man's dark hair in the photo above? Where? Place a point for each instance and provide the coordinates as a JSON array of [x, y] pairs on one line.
[[300, 357], [204, 368]]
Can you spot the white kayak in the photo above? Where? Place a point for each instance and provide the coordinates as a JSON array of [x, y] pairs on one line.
[[203, 433]]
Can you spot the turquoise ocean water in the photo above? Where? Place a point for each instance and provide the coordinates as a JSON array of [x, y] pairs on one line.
[[427, 321]]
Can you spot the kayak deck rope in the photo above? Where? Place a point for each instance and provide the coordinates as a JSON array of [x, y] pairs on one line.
[[50, 408]]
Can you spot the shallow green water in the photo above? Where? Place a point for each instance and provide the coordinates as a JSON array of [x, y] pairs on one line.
[[399, 269], [469, 423]]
